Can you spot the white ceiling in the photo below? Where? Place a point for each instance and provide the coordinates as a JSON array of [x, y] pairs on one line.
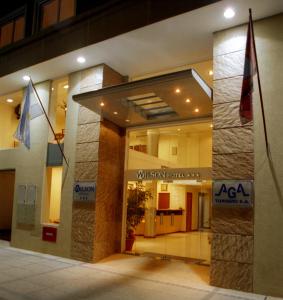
[[174, 42]]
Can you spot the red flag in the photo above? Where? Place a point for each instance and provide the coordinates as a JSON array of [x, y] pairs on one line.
[[250, 69]]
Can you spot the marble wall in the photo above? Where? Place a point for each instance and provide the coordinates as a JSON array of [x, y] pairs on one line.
[[233, 158]]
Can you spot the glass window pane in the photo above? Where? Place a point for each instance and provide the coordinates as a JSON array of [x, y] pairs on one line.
[[49, 13], [67, 9], [6, 34], [19, 29]]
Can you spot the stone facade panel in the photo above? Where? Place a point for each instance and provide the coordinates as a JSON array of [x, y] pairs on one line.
[[86, 171], [82, 251], [88, 133], [227, 90], [228, 65], [231, 247], [227, 115], [232, 275], [87, 152], [87, 116], [230, 41], [233, 140], [233, 166], [232, 220]]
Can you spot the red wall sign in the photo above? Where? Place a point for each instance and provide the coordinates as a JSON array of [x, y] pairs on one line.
[[49, 234]]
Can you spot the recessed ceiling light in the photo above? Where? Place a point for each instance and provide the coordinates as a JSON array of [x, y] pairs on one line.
[[102, 104], [188, 100], [210, 73], [26, 78], [196, 110], [127, 120], [115, 113], [66, 86], [229, 13], [179, 129], [52, 89], [10, 100], [177, 91], [81, 59]]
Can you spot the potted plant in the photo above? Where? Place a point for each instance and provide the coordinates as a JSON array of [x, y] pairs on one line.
[[137, 197]]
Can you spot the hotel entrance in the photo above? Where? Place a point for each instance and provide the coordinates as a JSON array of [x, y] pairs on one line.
[[168, 192]]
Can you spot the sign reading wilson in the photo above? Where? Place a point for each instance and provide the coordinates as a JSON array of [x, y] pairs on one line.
[[84, 191], [169, 174], [233, 193]]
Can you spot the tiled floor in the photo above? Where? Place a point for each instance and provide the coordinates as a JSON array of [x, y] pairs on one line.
[[34, 276], [195, 244]]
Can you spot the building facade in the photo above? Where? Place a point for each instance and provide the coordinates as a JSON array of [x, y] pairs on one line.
[[123, 123]]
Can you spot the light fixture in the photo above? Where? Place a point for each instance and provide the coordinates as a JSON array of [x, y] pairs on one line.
[[10, 100], [196, 110], [210, 73], [188, 100], [26, 78], [179, 129], [102, 104], [229, 13], [115, 113], [177, 91], [211, 126], [127, 120], [66, 86], [81, 59]]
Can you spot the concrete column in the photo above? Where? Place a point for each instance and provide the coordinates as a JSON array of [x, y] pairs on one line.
[[152, 142]]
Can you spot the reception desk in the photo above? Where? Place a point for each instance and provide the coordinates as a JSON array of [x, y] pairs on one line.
[[166, 221]]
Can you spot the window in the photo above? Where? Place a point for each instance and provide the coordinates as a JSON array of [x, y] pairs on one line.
[[9, 116], [55, 11], [54, 182], [12, 31]]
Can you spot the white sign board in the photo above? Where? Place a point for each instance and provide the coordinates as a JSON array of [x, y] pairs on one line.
[[233, 193], [84, 191]]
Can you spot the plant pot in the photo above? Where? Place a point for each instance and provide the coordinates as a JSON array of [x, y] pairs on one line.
[[129, 244]]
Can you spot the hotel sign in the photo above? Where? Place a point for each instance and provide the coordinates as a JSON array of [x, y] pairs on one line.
[[84, 191], [169, 174], [233, 193]]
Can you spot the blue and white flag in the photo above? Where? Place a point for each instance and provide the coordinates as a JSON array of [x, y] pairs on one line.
[[30, 111]]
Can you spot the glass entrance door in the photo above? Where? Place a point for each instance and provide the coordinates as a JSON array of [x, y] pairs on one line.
[[169, 219]]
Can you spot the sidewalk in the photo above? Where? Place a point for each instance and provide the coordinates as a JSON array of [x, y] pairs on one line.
[[30, 275]]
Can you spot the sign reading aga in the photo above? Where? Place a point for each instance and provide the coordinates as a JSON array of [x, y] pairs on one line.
[[84, 191], [233, 193]]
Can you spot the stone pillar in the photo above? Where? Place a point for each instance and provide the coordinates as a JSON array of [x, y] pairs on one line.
[[233, 158], [96, 226], [152, 142]]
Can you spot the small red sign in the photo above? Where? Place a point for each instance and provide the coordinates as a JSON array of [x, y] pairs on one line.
[[49, 234]]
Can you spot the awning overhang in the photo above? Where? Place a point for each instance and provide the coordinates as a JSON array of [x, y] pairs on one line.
[[152, 100]]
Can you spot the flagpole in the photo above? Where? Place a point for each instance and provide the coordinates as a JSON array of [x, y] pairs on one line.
[[38, 98], [259, 87]]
